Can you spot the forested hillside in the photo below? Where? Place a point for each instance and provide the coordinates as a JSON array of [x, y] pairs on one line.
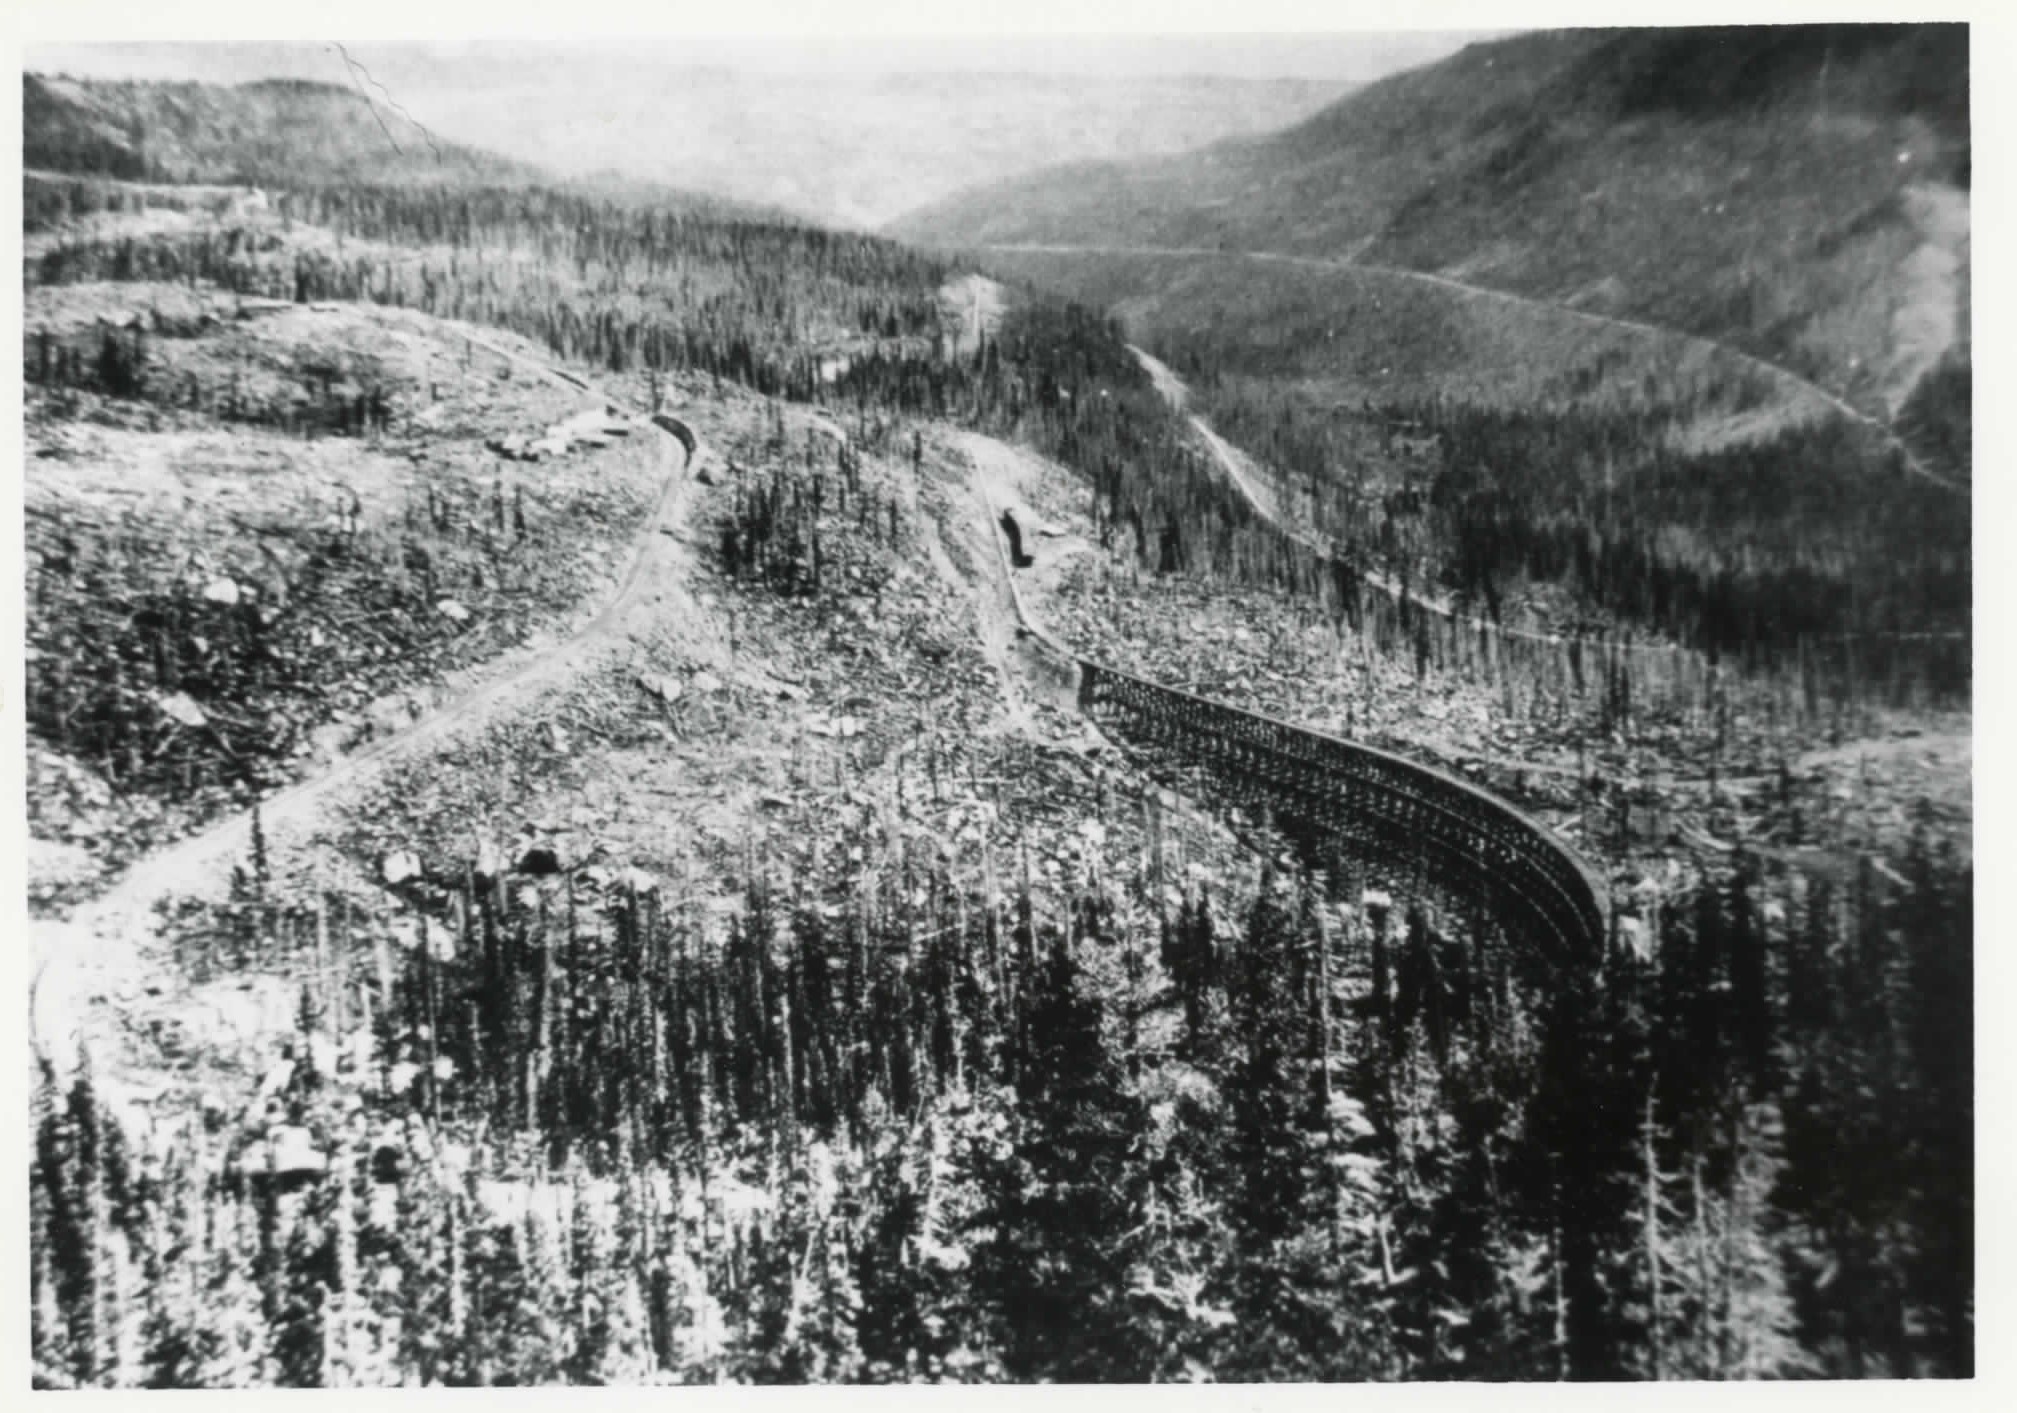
[[903, 1132], [1797, 191], [1445, 384]]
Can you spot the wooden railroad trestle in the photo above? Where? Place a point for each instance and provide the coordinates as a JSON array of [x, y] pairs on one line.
[[1407, 823], [1410, 824]]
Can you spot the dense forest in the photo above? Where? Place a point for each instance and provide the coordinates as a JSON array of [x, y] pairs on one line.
[[544, 1128], [1810, 547]]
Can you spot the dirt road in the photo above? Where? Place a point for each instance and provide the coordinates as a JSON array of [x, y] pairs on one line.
[[1769, 369], [103, 945], [1255, 486]]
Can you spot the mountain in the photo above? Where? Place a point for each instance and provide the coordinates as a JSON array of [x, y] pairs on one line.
[[841, 138], [286, 132], [1798, 191], [261, 133]]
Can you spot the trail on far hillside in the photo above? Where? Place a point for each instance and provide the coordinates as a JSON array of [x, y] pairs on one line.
[[1259, 491], [1934, 753], [1766, 367], [102, 945]]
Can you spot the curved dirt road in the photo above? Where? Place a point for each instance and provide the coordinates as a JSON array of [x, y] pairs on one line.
[[1260, 495], [1316, 262], [102, 944], [1240, 470]]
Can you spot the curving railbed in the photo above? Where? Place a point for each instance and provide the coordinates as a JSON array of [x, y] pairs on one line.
[[1407, 822]]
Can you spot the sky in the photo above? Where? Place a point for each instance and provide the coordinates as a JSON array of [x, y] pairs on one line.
[[1340, 55]]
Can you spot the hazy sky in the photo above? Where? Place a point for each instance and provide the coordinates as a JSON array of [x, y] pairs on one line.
[[1325, 56], [815, 126]]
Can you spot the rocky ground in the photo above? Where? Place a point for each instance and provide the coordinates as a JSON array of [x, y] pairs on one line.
[[718, 731], [132, 499]]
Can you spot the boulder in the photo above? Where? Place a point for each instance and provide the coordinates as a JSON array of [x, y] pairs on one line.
[[288, 1152], [666, 689], [180, 706]]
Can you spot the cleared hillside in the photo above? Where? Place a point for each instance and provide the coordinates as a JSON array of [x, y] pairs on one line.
[[1800, 192]]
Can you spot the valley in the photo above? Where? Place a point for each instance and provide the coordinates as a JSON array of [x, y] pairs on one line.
[[1791, 399], [627, 789], [1774, 192]]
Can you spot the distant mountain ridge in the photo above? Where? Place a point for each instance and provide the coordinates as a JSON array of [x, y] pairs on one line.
[[1800, 192], [854, 149], [833, 143], [257, 133], [285, 132]]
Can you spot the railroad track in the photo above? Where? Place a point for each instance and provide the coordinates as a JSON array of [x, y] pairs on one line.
[[1409, 824]]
